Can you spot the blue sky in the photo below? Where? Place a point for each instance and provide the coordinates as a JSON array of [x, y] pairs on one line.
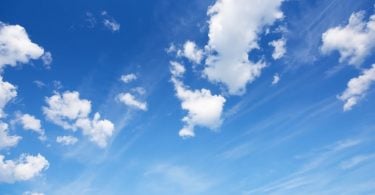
[[188, 97]]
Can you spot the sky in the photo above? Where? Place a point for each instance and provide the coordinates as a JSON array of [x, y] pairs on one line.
[[187, 97]]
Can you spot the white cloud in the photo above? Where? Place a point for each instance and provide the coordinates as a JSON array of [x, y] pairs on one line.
[[128, 78], [191, 52], [47, 59], [110, 23], [354, 161], [276, 79], [230, 42], [25, 168], [16, 46], [66, 140], [354, 42], [29, 122], [99, 130], [65, 107], [129, 100], [71, 112], [280, 49], [32, 193], [6, 140], [204, 109], [7, 93], [357, 88]]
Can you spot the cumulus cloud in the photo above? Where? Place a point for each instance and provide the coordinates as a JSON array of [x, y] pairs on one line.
[[279, 48], [357, 88], [69, 111], [354, 42], [25, 168], [230, 42], [276, 79], [203, 108], [6, 140], [7, 93], [131, 101], [191, 52], [66, 140], [127, 78], [16, 46], [31, 123]]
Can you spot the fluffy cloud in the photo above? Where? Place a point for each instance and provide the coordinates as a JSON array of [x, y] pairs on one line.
[[357, 88], [6, 140], [354, 41], [128, 78], [204, 109], [16, 46], [7, 93], [191, 52], [276, 79], [31, 123], [99, 130], [71, 112], [66, 140], [32, 193], [25, 168], [129, 100], [47, 59], [279, 50], [230, 42], [66, 107]]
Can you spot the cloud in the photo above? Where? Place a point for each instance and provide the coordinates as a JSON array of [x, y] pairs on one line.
[[204, 109], [354, 161], [110, 23], [128, 78], [47, 59], [280, 49], [129, 100], [29, 122], [191, 52], [6, 140], [70, 112], [32, 193], [7, 93], [354, 42], [230, 42], [357, 88], [276, 79], [16, 46], [66, 140], [25, 168]]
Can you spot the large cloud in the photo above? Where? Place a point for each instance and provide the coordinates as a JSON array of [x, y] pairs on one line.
[[70, 112], [25, 168], [357, 88], [234, 26], [16, 46], [354, 42], [204, 109]]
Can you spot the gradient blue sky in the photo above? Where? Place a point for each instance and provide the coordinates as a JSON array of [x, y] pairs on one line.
[[302, 123]]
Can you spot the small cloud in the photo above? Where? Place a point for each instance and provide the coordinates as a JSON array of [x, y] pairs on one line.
[[276, 79], [128, 78], [109, 22], [130, 100], [279, 50], [47, 59], [39, 84], [66, 140]]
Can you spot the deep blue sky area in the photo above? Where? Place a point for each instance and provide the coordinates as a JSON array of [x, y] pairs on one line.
[[187, 97]]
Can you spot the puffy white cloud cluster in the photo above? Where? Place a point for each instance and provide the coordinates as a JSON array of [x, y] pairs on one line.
[[280, 49], [70, 112], [25, 168], [191, 52], [203, 108], [31, 123], [127, 78], [230, 42], [16, 46], [354, 42]]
